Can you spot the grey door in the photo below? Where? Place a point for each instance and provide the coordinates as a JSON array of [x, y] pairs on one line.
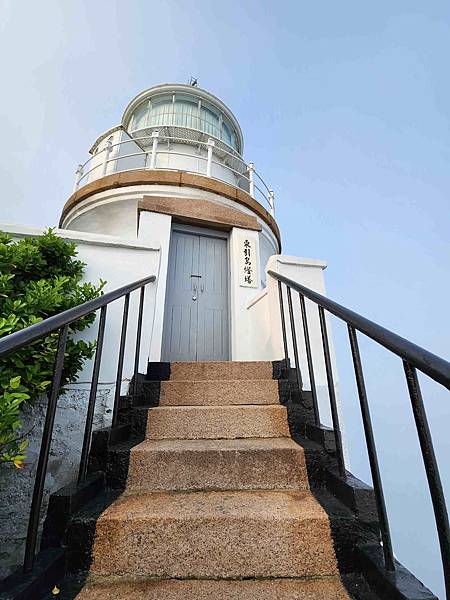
[[196, 315]]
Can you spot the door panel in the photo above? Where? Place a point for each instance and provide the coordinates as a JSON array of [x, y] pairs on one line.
[[196, 316], [180, 327], [212, 342]]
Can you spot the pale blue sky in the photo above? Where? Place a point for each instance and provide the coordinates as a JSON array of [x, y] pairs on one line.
[[345, 110]]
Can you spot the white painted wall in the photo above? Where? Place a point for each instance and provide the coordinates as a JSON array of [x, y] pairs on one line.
[[114, 211], [268, 246], [120, 265], [261, 339], [262, 327], [109, 218], [155, 229], [240, 296]]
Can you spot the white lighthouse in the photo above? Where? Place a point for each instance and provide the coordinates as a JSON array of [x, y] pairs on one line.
[[172, 174]]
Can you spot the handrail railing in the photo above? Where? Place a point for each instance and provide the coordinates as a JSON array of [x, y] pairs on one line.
[[236, 171], [414, 358], [61, 323]]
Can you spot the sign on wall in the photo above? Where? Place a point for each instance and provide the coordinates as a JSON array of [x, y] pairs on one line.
[[248, 269]]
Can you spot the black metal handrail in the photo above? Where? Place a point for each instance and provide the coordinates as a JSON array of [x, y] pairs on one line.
[[61, 323], [414, 358], [436, 367]]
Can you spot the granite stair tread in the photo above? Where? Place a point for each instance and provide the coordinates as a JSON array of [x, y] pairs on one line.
[[251, 463], [207, 392], [217, 422], [220, 370], [214, 535], [175, 589]]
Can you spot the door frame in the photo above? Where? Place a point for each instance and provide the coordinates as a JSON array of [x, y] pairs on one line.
[[206, 232]]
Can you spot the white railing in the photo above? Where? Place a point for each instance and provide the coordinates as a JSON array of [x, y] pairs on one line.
[[215, 160]]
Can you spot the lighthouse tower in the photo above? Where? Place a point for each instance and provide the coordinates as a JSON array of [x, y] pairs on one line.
[[172, 175]]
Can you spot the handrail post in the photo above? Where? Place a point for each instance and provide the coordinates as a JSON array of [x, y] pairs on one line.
[[78, 176], [389, 560], [155, 137], [107, 151], [312, 379], [272, 202], [211, 145], [138, 340], [283, 324], [41, 471], [431, 469], [92, 398], [332, 394], [123, 337], [251, 178], [294, 341]]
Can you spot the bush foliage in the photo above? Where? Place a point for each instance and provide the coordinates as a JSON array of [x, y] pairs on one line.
[[39, 277]]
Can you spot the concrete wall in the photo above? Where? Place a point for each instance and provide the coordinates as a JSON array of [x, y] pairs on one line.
[[114, 211]]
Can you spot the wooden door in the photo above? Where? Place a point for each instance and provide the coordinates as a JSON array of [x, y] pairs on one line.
[[196, 315]]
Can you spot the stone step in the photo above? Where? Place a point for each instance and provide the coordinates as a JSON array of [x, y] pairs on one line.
[[220, 370], [191, 393], [217, 422], [192, 589], [242, 464], [214, 535]]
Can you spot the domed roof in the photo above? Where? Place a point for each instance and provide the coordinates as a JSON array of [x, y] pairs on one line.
[[183, 106]]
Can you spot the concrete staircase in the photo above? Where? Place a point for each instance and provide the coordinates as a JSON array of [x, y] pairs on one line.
[[217, 503]]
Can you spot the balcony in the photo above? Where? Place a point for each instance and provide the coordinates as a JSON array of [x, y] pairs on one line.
[[173, 149]]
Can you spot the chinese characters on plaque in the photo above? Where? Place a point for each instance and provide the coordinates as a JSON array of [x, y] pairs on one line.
[[248, 276]]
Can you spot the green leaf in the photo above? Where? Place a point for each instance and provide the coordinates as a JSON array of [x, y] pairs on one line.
[[14, 382], [39, 277]]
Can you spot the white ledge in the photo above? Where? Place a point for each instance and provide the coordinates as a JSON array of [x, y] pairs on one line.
[[96, 239], [298, 260]]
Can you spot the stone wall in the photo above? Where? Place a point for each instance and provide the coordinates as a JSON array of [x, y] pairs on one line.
[[16, 486]]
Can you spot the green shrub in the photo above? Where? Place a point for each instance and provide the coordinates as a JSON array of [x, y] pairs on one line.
[[39, 277]]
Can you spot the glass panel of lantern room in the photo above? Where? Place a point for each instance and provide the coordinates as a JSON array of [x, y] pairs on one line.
[[235, 144], [140, 116], [226, 134], [161, 111], [210, 120], [186, 112]]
